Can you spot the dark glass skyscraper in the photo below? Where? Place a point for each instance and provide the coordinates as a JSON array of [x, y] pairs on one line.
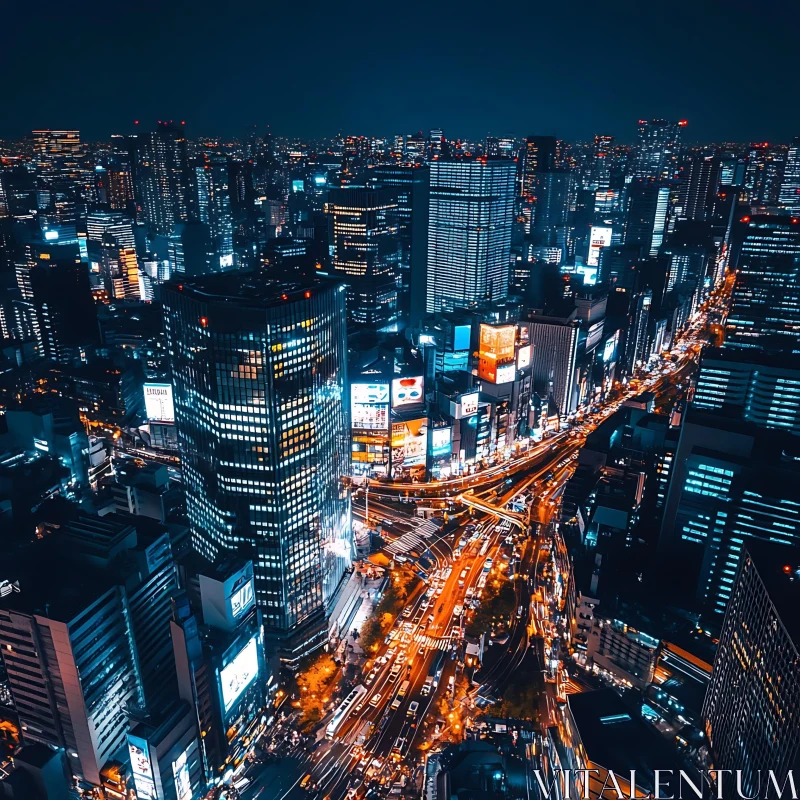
[[259, 376]]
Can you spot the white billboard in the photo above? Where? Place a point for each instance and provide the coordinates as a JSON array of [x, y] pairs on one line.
[[180, 772], [524, 356], [141, 767], [239, 674], [367, 417], [242, 599], [369, 393], [599, 237], [506, 373], [407, 391], [158, 402], [469, 404]]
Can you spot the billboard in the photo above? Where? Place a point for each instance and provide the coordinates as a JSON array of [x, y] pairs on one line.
[[239, 674], [369, 406], [440, 442], [158, 402], [242, 599], [409, 443], [599, 237], [461, 337], [369, 393], [524, 356], [469, 404], [180, 774], [496, 348], [142, 768], [407, 391], [506, 373]]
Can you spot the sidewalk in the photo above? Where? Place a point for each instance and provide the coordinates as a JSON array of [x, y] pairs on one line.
[[368, 603]]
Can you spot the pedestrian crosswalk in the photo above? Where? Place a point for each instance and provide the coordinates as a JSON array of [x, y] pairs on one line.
[[412, 540], [432, 642]]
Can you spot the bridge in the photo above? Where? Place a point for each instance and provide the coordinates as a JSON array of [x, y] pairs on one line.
[[520, 520]]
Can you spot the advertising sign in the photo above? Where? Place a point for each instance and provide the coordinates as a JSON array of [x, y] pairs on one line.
[[158, 402], [239, 674], [180, 772], [469, 404], [599, 237], [440, 442], [369, 393], [524, 356], [242, 599], [506, 373], [142, 768], [496, 349], [407, 391], [409, 443], [461, 337], [369, 418]]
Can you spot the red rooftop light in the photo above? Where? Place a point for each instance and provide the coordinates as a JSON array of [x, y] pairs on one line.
[[203, 322], [307, 295]]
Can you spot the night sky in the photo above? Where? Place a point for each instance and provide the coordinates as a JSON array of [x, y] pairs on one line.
[[313, 69]]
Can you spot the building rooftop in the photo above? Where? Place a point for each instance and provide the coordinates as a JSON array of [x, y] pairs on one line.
[[248, 288], [778, 566], [616, 737]]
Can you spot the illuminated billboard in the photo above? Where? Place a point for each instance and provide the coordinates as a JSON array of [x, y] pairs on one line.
[[469, 404], [242, 599], [506, 373], [369, 406], [409, 444], [524, 356], [180, 774], [461, 337], [158, 402], [496, 348], [440, 442], [407, 391], [369, 393], [599, 237], [239, 674], [142, 768]]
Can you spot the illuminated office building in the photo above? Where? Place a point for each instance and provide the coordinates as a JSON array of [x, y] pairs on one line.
[[259, 377], [553, 188], [57, 154], [765, 304], [697, 190], [365, 251], [646, 219], [602, 155], [539, 154], [163, 177], [470, 217], [656, 149], [789, 196], [751, 706], [214, 207]]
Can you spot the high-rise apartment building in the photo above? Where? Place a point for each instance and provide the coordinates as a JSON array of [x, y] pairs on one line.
[[765, 304], [751, 706], [259, 377], [470, 217]]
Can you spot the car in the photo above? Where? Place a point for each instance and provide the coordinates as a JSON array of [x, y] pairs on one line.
[[421, 650], [412, 709], [408, 611], [439, 591], [457, 611], [376, 698]]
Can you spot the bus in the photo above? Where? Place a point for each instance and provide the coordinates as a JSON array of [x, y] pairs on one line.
[[341, 713]]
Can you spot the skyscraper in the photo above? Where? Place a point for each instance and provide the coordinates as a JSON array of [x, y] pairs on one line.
[[656, 148], [699, 179], [765, 304], [789, 196], [600, 170], [539, 154], [751, 706], [471, 214], [365, 251], [552, 188], [163, 176], [646, 219], [213, 205], [259, 376]]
